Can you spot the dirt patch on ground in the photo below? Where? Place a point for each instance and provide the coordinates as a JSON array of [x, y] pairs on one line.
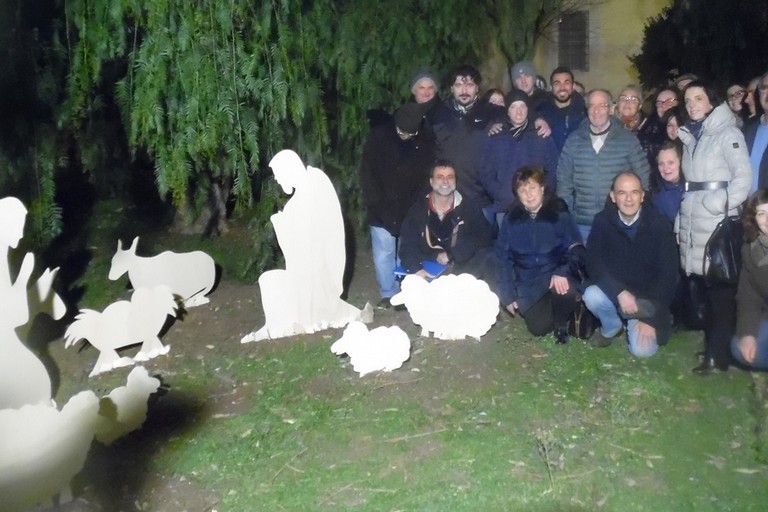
[[436, 370]]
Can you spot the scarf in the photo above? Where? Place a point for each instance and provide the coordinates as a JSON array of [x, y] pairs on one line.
[[759, 250], [695, 128]]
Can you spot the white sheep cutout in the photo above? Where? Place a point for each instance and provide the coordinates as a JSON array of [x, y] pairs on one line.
[[190, 275], [125, 323], [381, 349], [42, 448], [451, 306]]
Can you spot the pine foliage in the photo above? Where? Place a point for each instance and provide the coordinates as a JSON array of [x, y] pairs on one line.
[[719, 40]]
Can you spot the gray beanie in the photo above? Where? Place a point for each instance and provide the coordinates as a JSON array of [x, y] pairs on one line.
[[524, 67], [420, 75]]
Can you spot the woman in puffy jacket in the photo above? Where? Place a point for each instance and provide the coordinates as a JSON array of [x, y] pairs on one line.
[[718, 173]]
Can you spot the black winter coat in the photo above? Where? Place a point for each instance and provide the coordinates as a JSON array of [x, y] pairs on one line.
[[645, 265], [393, 174]]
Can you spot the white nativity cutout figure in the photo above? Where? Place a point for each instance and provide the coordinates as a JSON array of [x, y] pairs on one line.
[[305, 297], [23, 377], [381, 349], [190, 275], [451, 306], [42, 448], [125, 323]]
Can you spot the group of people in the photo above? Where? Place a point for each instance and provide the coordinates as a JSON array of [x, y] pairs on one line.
[[550, 198]]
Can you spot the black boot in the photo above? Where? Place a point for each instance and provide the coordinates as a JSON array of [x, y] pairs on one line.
[[561, 336]]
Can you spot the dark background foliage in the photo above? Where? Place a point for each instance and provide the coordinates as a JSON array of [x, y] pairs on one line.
[[719, 40]]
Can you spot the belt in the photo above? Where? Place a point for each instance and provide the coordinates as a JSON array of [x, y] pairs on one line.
[[695, 186]]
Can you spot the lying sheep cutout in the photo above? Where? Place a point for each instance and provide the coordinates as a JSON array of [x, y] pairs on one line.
[[190, 275], [381, 349], [451, 306]]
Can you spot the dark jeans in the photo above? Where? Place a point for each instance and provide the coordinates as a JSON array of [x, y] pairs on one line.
[[550, 312]]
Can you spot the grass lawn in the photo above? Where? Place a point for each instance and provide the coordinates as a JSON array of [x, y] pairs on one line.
[[504, 424]]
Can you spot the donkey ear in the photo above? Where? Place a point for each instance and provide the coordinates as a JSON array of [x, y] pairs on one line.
[[134, 244], [119, 245]]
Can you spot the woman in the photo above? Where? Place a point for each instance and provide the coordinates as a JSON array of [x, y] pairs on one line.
[[750, 345], [668, 185], [735, 97], [667, 189], [653, 132], [515, 147], [718, 173], [536, 252], [672, 120], [494, 97]]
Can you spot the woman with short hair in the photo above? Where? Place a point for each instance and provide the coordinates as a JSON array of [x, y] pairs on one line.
[[537, 255], [750, 345]]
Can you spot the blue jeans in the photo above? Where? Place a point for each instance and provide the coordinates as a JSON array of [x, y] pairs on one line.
[[602, 307], [761, 357], [385, 259], [584, 229]]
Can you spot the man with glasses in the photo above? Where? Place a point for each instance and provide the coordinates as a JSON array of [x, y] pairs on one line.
[[592, 156], [756, 136]]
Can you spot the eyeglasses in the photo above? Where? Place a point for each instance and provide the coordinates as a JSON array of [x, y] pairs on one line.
[[405, 135], [629, 98], [661, 103], [737, 95], [598, 106]]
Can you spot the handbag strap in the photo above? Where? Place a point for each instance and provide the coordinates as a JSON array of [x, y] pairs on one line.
[[706, 247]]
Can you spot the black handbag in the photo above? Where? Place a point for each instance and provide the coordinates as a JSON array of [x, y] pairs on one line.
[[582, 323], [722, 254]]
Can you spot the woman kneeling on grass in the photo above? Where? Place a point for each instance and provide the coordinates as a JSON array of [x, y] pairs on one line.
[[750, 345], [535, 273]]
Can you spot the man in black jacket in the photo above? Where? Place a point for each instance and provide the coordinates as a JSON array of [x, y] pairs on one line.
[[395, 164], [461, 125], [632, 265], [447, 228]]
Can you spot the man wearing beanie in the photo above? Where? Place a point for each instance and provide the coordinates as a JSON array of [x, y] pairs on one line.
[[523, 75], [394, 168]]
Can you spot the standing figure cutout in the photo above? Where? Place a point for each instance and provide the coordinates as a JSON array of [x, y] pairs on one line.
[[305, 297]]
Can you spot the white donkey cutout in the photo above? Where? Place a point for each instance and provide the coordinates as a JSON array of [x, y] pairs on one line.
[[190, 275], [125, 323]]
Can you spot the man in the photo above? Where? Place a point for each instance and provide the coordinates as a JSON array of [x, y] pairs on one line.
[[460, 125], [564, 111], [447, 228], [592, 156], [632, 265], [756, 136], [396, 160], [523, 75]]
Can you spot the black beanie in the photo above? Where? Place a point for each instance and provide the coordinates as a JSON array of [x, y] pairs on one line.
[[516, 95], [409, 117]]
